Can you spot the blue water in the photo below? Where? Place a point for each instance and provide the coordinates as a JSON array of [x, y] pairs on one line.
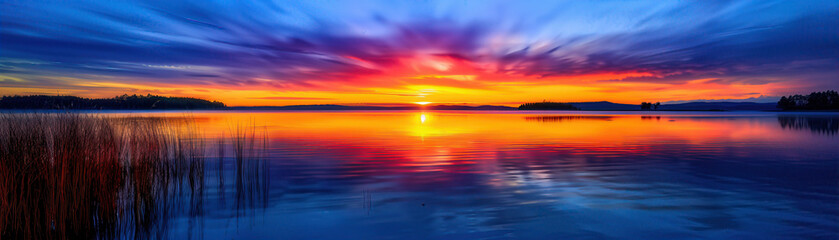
[[533, 175]]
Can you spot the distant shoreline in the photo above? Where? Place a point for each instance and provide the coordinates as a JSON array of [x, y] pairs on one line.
[[161, 103]]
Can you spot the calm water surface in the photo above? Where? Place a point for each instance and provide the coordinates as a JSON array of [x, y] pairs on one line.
[[532, 175]]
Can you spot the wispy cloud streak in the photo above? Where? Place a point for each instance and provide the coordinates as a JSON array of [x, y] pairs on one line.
[[354, 45]]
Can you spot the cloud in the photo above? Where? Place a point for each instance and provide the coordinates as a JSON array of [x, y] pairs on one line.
[[292, 98], [310, 46]]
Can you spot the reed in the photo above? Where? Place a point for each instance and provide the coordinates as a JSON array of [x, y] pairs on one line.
[[59, 176], [251, 169], [74, 176]]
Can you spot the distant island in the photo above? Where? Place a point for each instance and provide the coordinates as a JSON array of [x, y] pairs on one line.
[[133, 102], [544, 105], [645, 106], [815, 101]]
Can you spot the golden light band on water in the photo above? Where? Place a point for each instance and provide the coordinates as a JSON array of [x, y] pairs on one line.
[[443, 128]]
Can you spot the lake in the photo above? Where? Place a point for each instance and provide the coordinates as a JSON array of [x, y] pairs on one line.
[[522, 175]]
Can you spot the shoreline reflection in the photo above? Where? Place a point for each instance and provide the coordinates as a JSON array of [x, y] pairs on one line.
[[817, 124]]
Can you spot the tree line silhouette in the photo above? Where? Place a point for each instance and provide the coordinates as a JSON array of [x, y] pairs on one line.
[[119, 102], [827, 100], [547, 106]]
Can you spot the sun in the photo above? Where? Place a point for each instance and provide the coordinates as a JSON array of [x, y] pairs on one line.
[[422, 103]]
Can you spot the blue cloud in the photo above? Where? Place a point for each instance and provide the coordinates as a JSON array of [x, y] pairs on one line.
[[292, 42]]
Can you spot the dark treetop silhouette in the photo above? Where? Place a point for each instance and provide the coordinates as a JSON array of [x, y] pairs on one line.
[[547, 106], [650, 106], [827, 100]]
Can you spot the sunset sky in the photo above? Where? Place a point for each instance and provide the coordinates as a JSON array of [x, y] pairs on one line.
[[443, 52]]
